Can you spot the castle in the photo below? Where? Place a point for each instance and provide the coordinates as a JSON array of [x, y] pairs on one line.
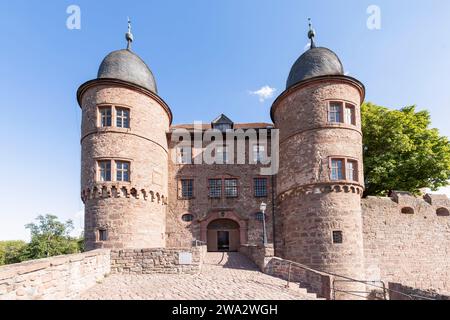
[[137, 196]]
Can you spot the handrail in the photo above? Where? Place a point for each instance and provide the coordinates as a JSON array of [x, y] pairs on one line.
[[366, 282]]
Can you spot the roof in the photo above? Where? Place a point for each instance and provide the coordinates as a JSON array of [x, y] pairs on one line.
[[206, 126], [314, 63], [127, 66]]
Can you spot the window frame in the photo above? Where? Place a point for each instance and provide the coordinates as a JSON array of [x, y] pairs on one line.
[[117, 117], [352, 107], [180, 155], [255, 187], [99, 170], [258, 155], [100, 108], [345, 175], [340, 105], [180, 190], [99, 233], [337, 237], [220, 188], [235, 188], [122, 171]]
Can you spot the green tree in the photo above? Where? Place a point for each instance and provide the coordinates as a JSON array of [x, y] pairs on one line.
[[11, 251], [401, 151], [50, 237]]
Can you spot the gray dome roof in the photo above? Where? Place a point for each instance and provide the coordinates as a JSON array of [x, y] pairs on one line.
[[127, 66], [313, 63]]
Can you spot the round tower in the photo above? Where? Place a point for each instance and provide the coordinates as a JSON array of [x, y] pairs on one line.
[[124, 155], [320, 179]]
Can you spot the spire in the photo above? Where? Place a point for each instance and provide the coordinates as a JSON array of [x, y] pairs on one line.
[[129, 35], [311, 34]]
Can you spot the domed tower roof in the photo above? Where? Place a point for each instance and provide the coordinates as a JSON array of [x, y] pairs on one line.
[[127, 66], [315, 62]]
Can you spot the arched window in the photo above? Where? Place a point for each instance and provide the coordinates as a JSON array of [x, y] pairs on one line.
[[408, 210], [442, 212], [187, 217]]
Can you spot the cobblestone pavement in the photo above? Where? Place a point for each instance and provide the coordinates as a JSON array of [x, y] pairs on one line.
[[224, 276]]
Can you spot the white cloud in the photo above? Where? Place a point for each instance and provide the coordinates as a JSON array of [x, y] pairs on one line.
[[307, 46], [347, 73], [264, 93], [78, 222]]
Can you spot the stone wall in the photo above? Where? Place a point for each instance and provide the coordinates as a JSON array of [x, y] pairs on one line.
[[313, 280], [401, 292], [411, 248], [62, 277], [259, 254], [168, 261]]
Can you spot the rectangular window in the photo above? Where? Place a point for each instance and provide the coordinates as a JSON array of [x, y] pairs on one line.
[[105, 117], [102, 235], [337, 169], [352, 170], [215, 188], [123, 118], [184, 155], [259, 153], [104, 168], [334, 114], [187, 188], [260, 185], [123, 171], [231, 188], [221, 155], [349, 113]]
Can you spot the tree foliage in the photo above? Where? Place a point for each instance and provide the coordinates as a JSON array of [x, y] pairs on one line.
[[11, 251], [401, 151], [50, 237]]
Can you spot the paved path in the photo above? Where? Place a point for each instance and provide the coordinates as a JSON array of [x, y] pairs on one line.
[[224, 276]]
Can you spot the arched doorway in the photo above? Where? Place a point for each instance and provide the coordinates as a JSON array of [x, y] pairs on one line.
[[223, 235]]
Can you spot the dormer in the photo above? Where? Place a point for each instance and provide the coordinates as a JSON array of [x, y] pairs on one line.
[[222, 123]]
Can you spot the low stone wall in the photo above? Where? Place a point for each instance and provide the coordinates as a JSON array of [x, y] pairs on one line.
[[147, 261], [313, 280], [410, 293], [260, 255], [62, 277]]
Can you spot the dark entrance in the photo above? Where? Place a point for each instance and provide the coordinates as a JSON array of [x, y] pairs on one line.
[[223, 240]]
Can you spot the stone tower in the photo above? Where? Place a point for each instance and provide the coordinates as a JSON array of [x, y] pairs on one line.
[[320, 180], [124, 156]]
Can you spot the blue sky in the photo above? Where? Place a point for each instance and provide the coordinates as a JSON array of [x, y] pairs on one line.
[[206, 56]]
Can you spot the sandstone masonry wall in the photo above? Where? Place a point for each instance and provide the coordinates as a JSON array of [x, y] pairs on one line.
[[411, 249], [148, 261], [62, 277]]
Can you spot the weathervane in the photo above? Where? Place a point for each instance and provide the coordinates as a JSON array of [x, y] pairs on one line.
[[311, 33], [129, 35]]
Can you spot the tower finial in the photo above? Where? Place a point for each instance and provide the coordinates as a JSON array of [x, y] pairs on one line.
[[129, 35], [311, 34]]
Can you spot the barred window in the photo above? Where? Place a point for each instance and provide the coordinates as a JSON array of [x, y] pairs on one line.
[[122, 118], [123, 171], [260, 185], [105, 116], [334, 114], [337, 169], [231, 188], [187, 188], [104, 168], [215, 188]]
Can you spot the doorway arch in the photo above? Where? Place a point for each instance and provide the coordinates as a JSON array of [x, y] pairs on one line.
[[223, 235], [226, 220]]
